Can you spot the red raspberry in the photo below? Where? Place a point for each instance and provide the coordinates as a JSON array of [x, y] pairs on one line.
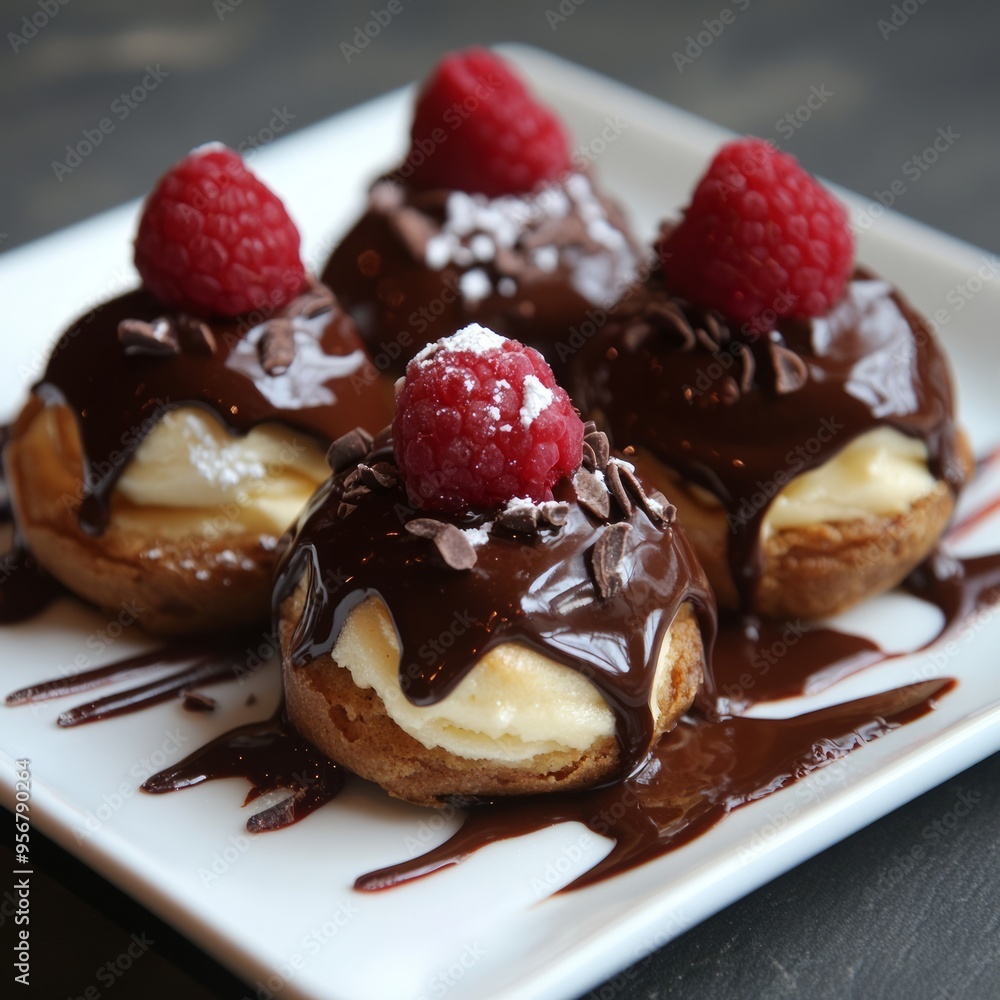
[[761, 238], [479, 421], [477, 128], [213, 240]]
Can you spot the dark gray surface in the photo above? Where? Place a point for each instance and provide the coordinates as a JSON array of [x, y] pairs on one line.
[[872, 917]]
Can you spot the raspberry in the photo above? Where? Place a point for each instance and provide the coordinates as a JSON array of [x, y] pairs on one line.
[[476, 128], [213, 240], [481, 421], [760, 239]]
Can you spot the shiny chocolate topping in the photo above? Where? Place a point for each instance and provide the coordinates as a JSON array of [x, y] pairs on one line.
[[419, 265], [593, 583], [741, 415], [124, 365]]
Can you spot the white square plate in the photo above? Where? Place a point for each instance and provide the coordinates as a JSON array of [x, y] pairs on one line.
[[279, 909]]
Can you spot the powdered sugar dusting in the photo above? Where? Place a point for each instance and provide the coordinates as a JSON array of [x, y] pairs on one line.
[[478, 536], [471, 339], [537, 397]]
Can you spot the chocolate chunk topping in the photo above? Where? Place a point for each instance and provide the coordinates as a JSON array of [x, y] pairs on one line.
[[592, 494], [195, 336], [597, 441], [612, 476], [415, 230], [195, 701], [157, 339], [556, 512], [455, 549], [381, 475], [348, 449], [355, 493], [312, 303], [345, 508], [522, 518], [749, 368], [729, 391], [277, 346], [608, 554], [790, 371]]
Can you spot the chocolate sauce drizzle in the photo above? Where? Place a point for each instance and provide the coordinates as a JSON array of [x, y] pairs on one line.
[[740, 414], [120, 368], [697, 775], [208, 661], [271, 755], [550, 589]]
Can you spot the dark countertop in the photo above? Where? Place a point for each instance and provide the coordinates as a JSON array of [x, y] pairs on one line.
[[911, 905]]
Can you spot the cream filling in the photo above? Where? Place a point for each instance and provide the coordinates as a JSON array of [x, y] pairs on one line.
[[190, 462], [882, 472], [513, 705]]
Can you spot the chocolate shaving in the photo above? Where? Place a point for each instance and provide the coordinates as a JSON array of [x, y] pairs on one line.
[[344, 509], [667, 511], [455, 549], [598, 443], [157, 339], [312, 303], [356, 493], [790, 371], [589, 427], [276, 346], [348, 449], [589, 460], [195, 335], [705, 339], [635, 334], [749, 367], [556, 512], [614, 480], [414, 230], [381, 475], [577, 596], [522, 518], [608, 554], [195, 701], [592, 494], [729, 391], [669, 318]]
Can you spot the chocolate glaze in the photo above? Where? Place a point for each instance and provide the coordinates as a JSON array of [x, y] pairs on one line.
[[740, 415], [538, 589], [400, 302], [698, 773], [118, 383]]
